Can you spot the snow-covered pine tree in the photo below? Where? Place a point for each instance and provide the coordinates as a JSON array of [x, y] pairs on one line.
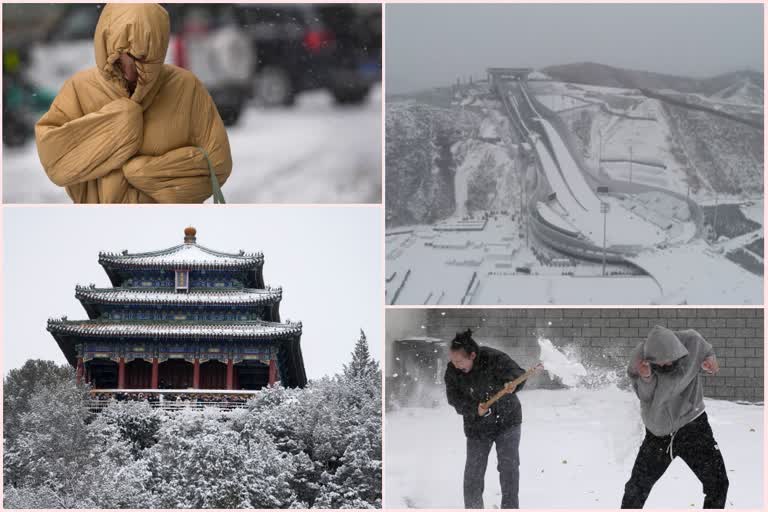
[[21, 383], [362, 365]]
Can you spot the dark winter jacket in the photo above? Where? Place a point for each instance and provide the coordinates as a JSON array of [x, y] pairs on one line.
[[491, 370], [669, 401]]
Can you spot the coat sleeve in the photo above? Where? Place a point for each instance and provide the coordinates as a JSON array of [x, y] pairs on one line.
[[644, 388], [508, 370], [75, 148], [182, 175], [698, 350], [456, 397]]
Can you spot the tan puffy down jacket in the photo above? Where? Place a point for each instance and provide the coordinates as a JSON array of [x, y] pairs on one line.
[[107, 147]]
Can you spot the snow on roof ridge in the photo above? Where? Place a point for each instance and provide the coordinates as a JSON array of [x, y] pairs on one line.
[[258, 328], [180, 255], [161, 252], [169, 295]]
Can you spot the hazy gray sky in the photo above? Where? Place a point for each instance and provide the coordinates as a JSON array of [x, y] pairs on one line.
[[328, 261], [431, 44]]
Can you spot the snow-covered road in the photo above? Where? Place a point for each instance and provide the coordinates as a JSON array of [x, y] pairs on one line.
[[315, 152], [577, 451]]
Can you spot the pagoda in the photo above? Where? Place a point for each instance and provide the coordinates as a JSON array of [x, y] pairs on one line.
[[184, 318]]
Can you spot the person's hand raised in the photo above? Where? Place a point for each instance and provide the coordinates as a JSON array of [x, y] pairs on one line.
[[710, 365], [644, 369]]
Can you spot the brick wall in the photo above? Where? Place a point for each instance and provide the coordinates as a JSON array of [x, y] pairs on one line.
[[604, 338]]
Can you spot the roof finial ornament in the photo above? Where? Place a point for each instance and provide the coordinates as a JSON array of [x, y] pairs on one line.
[[189, 235]]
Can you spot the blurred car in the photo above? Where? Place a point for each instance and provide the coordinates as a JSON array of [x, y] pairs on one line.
[[302, 47], [207, 40], [204, 39], [23, 103]]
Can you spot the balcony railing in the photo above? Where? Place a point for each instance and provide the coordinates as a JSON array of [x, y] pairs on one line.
[[96, 405], [172, 399]]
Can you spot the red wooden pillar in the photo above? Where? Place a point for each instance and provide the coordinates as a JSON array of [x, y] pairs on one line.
[[196, 374], [121, 373], [230, 373], [272, 371], [80, 370], [155, 373]]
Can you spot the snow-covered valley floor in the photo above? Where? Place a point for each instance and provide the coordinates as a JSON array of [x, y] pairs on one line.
[[577, 450], [315, 152]]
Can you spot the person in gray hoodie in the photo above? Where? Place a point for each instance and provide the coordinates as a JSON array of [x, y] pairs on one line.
[[665, 373]]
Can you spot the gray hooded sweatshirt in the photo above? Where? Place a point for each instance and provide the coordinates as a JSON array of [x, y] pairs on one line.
[[668, 401]]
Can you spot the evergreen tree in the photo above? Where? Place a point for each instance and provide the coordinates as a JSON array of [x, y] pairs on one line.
[[21, 383], [362, 365], [315, 447]]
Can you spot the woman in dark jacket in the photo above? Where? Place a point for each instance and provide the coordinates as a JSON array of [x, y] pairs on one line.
[[473, 375]]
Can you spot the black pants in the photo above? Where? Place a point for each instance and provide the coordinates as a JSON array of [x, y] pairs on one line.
[[696, 445], [508, 454]]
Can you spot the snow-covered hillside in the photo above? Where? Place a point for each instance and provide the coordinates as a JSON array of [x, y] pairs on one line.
[[446, 156], [682, 150], [679, 171]]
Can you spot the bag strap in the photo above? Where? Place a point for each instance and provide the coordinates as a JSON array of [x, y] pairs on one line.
[[218, 197]]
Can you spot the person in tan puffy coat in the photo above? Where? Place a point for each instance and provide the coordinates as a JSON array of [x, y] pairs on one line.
[[133, 129]]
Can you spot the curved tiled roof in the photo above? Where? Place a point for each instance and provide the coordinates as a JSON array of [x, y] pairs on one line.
[[187, 255], [249, 296], [249, 330]]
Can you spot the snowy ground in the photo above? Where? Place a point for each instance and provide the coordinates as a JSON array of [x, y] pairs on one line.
[[558, 102], [577, 451], [694, 274], [558, 289], [442, 265], [315, 152]]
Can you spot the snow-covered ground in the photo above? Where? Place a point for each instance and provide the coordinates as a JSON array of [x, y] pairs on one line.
[[558, 102], [442, 266], [754, 211], [315, 152], [560, 289], [577, 450], [694, 274]]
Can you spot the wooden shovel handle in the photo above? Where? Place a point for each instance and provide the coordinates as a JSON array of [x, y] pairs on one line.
[[516, 382]]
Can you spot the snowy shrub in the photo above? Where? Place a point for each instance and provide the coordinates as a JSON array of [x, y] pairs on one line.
[[134, 422], [199, 462], [57, 460], [21, 383], [318, 447]]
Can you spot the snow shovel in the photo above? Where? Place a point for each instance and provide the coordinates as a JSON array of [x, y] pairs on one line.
[[506, 387]]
